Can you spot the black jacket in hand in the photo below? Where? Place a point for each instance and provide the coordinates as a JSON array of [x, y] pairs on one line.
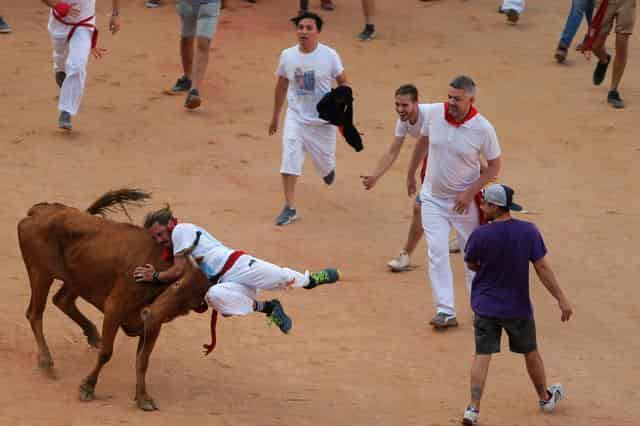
[[336, 107]]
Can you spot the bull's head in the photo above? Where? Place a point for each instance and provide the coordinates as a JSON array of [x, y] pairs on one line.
[[179, 298]]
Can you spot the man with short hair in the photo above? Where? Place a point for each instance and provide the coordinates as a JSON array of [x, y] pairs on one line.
[[456, 138], [500, 253], [411, 116], [198, 23], [624, 14], [306, 72], [237, 277], [72, 27]]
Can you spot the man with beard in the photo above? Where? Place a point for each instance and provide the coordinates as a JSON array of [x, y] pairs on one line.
[[306, 72], [411, 116], [456, 138]]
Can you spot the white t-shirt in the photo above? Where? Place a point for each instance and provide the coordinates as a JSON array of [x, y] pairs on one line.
[[87, 8], [404, 128], [311, 76], [455, 152], [214, 253]]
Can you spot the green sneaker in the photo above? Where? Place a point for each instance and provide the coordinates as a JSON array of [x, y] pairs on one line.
[[279, 318], [324, 276]]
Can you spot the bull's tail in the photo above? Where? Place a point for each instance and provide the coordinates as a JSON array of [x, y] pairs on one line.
[[110, 201]]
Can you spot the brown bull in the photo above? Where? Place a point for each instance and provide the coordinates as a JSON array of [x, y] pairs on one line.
[[94, 258]]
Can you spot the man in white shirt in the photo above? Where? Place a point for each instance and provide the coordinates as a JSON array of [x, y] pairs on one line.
[[236, 277], [72, 27], [456, 138], [306, 72]]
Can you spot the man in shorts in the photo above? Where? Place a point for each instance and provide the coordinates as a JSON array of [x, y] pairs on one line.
[[198, 22], [306, 73], [499, 253], [624, 14]]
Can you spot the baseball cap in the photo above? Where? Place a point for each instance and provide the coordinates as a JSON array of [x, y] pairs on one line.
[[500, 195]]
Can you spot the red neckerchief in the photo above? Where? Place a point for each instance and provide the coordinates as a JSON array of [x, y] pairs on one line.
[[167, 254], [472, 113], [75, 25]]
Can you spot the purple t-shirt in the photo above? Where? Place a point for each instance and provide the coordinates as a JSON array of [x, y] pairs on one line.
[[503, 251]]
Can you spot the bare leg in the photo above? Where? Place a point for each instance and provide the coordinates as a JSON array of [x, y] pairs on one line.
[[599, 49], [40, 284], [479, 371], [620, 60], [145, 346], [535, 368], [415, 230], [65, 300], [186, 53], [369, 11], [289, 188], [201, 60]]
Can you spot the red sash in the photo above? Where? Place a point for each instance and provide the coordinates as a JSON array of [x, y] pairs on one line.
[[231, 260], [594, 27], [75, 25]]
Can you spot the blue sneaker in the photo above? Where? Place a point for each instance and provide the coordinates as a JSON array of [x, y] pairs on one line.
[[288, 215], [279, 318]]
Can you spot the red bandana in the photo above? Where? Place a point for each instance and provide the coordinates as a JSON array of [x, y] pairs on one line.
[[472, 113]]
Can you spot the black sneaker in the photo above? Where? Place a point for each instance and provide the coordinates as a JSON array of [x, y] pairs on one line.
[[60, 76], [193, 100], [614, 99], [600, 71], [286, 216], [279, 318], [512, 15], [328, 179], [4, 27], [324, 276], [64, 121], [368, 34], [183, 84]]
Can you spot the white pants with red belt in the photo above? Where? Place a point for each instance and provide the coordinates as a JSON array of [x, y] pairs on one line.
[[517, 5], [238, 288], [438, 218], [72, 57]]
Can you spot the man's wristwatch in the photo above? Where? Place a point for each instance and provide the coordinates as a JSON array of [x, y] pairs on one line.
[[156, 279]]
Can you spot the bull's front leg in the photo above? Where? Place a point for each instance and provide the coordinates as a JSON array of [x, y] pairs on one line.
[[146, 343], [110, 326]]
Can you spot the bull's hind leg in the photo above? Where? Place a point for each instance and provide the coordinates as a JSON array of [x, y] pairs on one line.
[[65, 299], [40, 284], [110, 325], [145, 346]]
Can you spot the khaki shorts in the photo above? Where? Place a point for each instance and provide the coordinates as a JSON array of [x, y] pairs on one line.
[[624, 12], [198, 20]]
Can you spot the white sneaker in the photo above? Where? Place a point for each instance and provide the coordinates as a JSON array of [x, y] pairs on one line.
[[400, 263], [471, 415], [557, 393]]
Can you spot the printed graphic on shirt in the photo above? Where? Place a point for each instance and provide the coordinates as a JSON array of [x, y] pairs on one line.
[[305, 81]]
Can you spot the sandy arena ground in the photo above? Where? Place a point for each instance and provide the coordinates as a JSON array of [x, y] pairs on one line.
[[361, 353]]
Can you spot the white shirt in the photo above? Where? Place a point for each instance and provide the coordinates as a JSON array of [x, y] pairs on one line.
[[87, 8], [404, 128], [455, 152], [311, 76], [213, 252]]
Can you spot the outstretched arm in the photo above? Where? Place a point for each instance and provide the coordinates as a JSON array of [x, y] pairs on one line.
[[148, 273], [546, 275], [384, 163]]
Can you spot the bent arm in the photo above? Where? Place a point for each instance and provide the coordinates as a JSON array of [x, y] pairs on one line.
[[490, 174], [341, 79], [175, 271]]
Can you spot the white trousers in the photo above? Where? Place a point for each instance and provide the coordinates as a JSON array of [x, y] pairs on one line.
[[239, 286], [72, 58], [438, 218], [517, 5], [319, 141]]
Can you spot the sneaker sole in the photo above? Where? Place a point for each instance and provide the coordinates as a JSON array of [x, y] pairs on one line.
[[291, 220], [468, 422], [175, 93], [404, 269], [443, 326], [512, 16], [5, 31], [193, 103]]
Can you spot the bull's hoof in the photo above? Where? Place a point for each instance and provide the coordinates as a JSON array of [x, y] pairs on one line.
[[146, 404], [87, 392], [45, 362]]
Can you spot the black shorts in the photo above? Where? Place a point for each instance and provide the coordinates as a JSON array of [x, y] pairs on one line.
[[488, 331]]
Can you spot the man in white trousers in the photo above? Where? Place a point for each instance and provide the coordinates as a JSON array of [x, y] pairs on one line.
[[456, 138], [239, 277], [305, 74], [73, 37], [513, 9]]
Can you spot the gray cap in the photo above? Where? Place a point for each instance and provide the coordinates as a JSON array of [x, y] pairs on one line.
[[500, 195]]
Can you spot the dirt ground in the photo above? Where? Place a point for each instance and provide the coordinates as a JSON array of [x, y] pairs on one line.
[[361, 353]]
